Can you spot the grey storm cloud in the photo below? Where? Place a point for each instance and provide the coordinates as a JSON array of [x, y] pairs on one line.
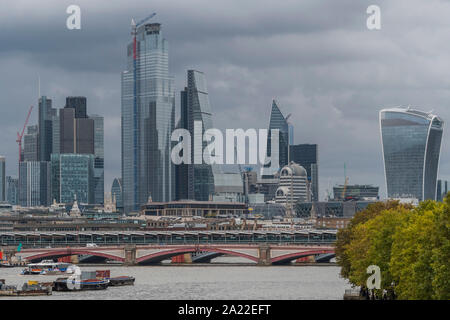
[[315, 57]]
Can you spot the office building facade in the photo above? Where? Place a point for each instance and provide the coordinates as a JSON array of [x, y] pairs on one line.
[[46, 115], [195, 181], [79, 104], [73, 178], [31, 144], [34, 184], [76, 134], [442, 190], [99, 159], [12, 190], [277, 122], [355, 192], [2, 179], [411, 144], [148, 120], [307, 156]]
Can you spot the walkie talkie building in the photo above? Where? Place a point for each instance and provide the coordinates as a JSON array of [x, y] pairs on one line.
[[411, 143]]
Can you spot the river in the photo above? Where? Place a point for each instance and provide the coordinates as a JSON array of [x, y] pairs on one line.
[[215, 281]]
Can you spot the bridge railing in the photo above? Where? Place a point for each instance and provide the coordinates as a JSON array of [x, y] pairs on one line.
[[53, 243]]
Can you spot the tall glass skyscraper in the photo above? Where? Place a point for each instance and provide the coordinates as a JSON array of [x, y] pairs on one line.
[[148, 119], [2, 179], [34, 183], [195, 181], [277, 121], [411, 142], [46, 115], [307, 156], [31, 143], [99, 161]]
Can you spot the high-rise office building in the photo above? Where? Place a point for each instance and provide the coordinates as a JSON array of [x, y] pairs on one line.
[[56, 132], [195, 181], [99, 159], [307, 155], [73, 178], [116, 193], [2, 179], [31, 143], [79, 104], [411, 144], [34, 183], [148, 119], [78, 166], [76, 134], [12, 190], [46, 115], [277, 121], [442, 190]]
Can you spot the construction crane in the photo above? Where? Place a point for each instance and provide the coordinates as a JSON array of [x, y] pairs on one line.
[[134, 27], [20, 135], [344, 190]]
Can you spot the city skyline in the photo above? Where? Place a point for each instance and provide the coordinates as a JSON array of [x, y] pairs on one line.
[[341, 117]]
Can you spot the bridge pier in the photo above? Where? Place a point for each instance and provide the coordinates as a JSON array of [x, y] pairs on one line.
[[264, 258], [130, 255]]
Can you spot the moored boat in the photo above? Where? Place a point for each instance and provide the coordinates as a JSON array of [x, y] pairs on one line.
[[121, 281], [66, 284], [28, 289], [115, 281], [6, 265], [46, 267]]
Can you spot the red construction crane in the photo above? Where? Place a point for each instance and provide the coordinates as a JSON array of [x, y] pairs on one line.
[[20, 135]]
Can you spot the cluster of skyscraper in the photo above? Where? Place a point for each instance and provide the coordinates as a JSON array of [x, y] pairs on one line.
[[148, 119], [62, 158]]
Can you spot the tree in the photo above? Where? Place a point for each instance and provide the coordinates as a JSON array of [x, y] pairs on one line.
[[372, 246], [346, 235]]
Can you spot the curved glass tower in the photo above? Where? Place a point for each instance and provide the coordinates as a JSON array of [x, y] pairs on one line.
[[411, 142]]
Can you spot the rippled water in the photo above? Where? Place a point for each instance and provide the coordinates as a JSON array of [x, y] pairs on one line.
[[207, 282]]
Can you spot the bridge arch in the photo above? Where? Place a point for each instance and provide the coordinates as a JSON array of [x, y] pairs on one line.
[[69, 252], [296, 255], [167, 254]]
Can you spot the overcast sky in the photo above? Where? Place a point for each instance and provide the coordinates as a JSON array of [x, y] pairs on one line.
[[315, 57]]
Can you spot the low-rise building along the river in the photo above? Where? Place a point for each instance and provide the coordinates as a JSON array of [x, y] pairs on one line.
[[188, 208]]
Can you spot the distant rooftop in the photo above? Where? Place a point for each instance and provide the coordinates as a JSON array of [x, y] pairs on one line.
[[427, 115]]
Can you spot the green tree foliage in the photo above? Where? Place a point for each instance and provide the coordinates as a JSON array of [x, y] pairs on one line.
[[410, 245], [345, 236]]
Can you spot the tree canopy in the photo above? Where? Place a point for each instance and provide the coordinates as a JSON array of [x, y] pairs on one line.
[[410, 245]]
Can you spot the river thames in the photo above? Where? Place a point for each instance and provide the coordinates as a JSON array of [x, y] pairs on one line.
[[214, 281]]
